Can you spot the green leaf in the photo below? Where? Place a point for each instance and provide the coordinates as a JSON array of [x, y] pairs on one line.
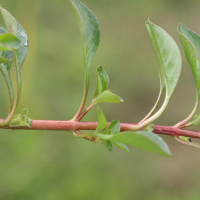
[[107, 97], [196, 120], [4, 60], [191, 45], [5, 69], [107, 144], [113, 128], [167, 55], [21, 119], [10, 22], [121, 146], [102, 81], [169, 66], [89, 29], [90, 36], [8, 42], [102, 122], [143, 139], [20, 54]]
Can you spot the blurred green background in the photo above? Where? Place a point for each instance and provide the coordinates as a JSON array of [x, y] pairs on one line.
[[48, 165]]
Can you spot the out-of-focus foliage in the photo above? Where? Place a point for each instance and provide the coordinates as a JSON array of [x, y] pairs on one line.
[[46, 165]]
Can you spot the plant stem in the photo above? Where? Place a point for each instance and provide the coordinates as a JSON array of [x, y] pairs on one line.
[[74, 125], [181, 124], [84, 112], [154, 108], [84, 97], [152, 118]]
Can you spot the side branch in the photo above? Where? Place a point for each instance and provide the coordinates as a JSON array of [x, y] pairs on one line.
[[74, 125]]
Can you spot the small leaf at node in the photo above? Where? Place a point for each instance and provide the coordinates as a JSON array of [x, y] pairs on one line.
[[113, 128], [102, 122], [107, 97]]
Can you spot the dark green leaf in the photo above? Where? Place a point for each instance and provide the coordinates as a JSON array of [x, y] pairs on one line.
[[89, 29], [191, 46], [102, 123], [90, 35], [143, 139], [107, 97]]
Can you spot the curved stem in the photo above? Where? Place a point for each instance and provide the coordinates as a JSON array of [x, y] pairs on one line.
[[192, 144], [154, 108], [152, 118], [14, 106], [181, 124], [84, 97], [84, 112]]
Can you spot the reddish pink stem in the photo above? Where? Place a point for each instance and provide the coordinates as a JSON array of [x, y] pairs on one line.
[[74, 125]]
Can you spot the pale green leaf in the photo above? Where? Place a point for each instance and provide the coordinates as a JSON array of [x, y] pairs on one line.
[[107, 97], [102, 122], [9, 20], [113, 128], [9, 42], [4, 60], [196, 120]]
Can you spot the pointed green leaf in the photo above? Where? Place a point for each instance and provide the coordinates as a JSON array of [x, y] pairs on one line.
[[102, 122], [89, 29], [102, 81], [4, 60], [21, 119], [9, 42], [10, 22], [107, 97], [121, 146], [191, 45], [167, 55], [100, 70], [113, 128], [107, 144], [143, 139], [196, 120]]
